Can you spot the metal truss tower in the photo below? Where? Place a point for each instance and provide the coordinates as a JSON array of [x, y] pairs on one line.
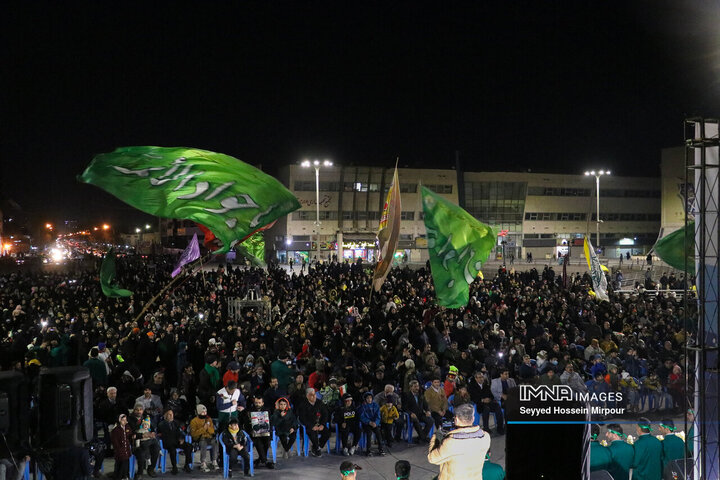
[[702, 201]]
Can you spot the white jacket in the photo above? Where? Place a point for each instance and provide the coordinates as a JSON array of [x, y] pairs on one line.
[[462, 453]]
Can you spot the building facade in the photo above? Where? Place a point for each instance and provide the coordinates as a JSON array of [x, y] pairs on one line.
[[537, 213], [350, 203]]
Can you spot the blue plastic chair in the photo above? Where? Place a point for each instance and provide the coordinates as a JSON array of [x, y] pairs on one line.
[[273, 445], [409, 428], [165, 453], [338, 439], [226, 456], [306, 441], [275, 440]]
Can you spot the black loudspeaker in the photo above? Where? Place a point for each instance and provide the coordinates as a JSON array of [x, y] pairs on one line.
[[65, 407], [14, 408], [548, 450]]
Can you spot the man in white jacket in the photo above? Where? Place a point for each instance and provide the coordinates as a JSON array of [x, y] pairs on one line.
[[461, 453]]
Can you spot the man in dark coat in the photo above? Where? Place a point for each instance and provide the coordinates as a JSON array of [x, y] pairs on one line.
[[482, 397], [313, 415], [414, 403], [174, 438]]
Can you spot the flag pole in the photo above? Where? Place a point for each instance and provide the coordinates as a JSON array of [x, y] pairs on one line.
[[165, 289], [372, 280]]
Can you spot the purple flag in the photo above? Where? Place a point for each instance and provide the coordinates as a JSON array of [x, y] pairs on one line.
[[191, 253]]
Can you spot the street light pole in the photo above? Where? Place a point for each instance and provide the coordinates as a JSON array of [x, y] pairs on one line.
[[317, 210], [317, 164], [597, 210], [597, 176]]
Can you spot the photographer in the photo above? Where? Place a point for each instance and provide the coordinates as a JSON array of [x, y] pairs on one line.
[[461, 452]]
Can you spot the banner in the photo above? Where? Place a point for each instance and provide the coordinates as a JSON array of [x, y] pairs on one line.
[[230, 197], [191, 253], [107, 277], [389, 233], [458, 245], [596, 271], [677, 248]]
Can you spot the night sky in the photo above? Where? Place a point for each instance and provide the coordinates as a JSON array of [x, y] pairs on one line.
[[547, 86]]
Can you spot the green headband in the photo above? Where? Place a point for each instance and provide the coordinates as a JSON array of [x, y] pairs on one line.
[[347, 472], [621, 435], [645, 427], [672, 429]]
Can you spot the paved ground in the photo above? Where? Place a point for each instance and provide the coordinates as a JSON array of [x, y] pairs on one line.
[[327, 467]]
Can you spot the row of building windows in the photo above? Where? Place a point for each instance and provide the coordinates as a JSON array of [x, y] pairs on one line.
[[641, 237], [332, 238], [474, 191], [578, 217], [499, 204], [309, 215], [586, 192], [495, 191], [552, 216], [309, 186], [628, 217]]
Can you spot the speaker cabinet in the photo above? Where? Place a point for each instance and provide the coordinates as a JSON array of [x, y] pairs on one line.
[[65, 407], [14, 408]]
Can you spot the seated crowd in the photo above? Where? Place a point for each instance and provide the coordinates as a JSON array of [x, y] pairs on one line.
[[327, 360]]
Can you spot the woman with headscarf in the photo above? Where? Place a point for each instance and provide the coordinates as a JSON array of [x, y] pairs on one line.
[[121, 438], [285, 423]]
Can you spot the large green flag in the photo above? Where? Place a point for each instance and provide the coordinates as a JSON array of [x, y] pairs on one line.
[[107, 277], [253, 248], [677, 248], [230, 197], [458, 245]]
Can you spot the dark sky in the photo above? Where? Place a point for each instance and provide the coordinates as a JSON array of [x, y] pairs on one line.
[[551, 86]]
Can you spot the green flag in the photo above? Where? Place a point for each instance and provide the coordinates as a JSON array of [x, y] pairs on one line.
[[107, 277], [253, 248], [230, 197], [677, 248], [458, 245]]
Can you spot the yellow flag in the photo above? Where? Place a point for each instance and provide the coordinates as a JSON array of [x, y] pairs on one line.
[[598, 277], [388, 233]]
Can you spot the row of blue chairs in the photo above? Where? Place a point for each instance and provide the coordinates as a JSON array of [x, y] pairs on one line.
[[302, 446], [162, 460]]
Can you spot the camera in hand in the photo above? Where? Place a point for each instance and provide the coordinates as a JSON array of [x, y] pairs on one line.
[[448, 425]]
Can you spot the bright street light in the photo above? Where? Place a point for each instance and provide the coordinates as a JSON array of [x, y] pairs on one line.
[[106, 226], [597, 176], [147, 226], [317, 164], [137, 230]]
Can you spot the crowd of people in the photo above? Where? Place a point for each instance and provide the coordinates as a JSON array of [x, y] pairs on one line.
[[189, 373]]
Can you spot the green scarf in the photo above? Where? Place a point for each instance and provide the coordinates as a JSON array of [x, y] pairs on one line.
[[214, 375]]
